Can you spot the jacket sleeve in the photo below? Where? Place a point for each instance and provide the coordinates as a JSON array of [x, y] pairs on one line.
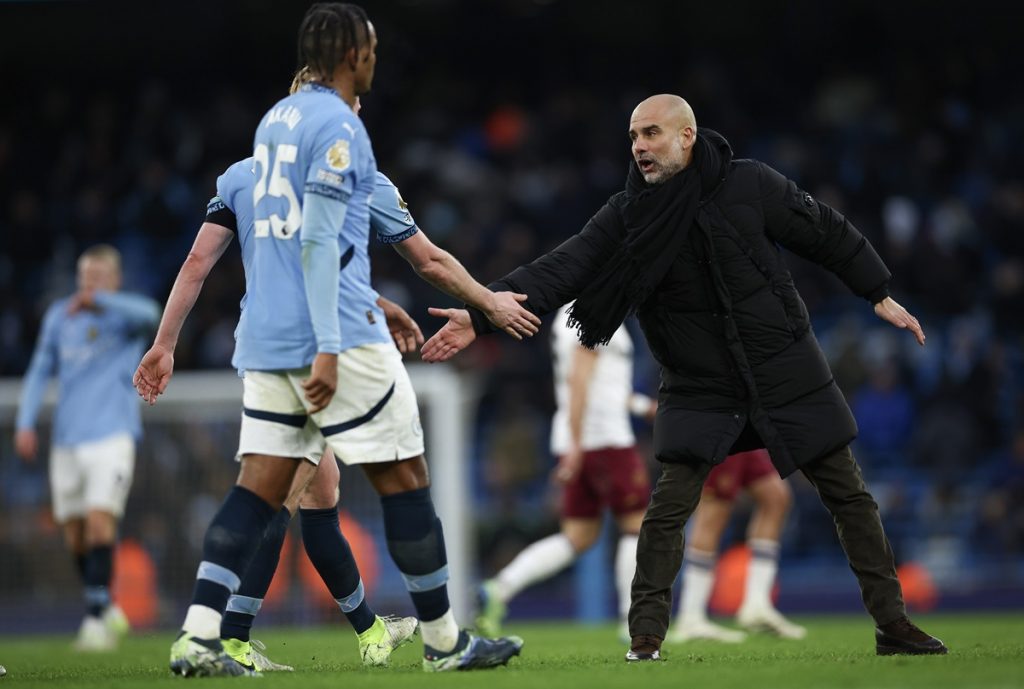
[[559, 276], [813, 230]]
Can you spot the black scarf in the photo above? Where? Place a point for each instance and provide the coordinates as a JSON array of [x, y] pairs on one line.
[[657, 219]]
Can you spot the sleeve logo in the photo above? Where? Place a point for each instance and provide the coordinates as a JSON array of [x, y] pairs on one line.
[[404, 207], [338, 156]]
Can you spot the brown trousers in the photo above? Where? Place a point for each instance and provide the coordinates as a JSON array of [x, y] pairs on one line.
[[840, 486]]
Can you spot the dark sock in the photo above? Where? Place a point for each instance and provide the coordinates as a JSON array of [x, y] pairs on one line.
[[245, 604], [231, 541], [81, 562], [98, 566], [416, 543], [331, 555]]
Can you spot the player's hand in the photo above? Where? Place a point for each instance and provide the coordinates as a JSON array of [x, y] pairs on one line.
[[569, 465], [154, 373], [505, 312], [83, 299], [889, 310], [322, 381], [26, 444], [456, 335], [404, 330]]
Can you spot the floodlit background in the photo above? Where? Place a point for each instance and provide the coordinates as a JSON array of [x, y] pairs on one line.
[[504, 124]]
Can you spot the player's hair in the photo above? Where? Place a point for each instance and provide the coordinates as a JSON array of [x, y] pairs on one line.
[[303, 76], [102, 252], [327, 33]]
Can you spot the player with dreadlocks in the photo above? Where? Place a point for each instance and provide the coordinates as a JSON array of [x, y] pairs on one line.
[[305, 326]]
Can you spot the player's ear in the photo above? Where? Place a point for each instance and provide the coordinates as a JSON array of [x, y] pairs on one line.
[[352, 58]]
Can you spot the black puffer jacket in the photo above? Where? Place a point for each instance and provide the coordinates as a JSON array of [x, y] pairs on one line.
[[741, 367]]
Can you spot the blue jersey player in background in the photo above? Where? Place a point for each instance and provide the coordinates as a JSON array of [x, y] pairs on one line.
[[90, 342], [305, 324]]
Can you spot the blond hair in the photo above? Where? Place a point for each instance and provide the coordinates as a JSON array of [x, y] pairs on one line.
[[302, 77], [102, 252]]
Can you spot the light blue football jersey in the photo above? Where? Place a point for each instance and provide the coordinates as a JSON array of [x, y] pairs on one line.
[[390, 218], [310, 142], [93, 353]]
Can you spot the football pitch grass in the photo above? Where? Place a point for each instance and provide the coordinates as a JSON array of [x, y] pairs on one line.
[[986, 651]]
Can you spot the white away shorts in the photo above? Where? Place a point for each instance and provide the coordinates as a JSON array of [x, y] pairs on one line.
[[96, 475], [373, 416]]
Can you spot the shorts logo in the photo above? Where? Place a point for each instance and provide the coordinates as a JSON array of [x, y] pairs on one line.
[[338, 155], [417, 429]]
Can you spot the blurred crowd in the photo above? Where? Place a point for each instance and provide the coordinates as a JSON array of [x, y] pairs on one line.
[[921, 152]]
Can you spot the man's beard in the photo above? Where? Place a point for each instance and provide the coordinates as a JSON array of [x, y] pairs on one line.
[[661, 173]]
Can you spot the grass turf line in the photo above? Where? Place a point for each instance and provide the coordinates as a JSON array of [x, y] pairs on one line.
[[987, 651]]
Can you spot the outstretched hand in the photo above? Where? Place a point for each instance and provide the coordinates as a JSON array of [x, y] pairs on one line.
[[456, 335], [889, 310], [507, 314], [154, 373]]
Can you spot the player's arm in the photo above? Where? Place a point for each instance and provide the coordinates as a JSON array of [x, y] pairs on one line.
[[41, 368], [561, 275], [819, 233], [581, 371], [552, 280], [443, 271], [322, 218], [393, 223], [140, 312], [157, 365]]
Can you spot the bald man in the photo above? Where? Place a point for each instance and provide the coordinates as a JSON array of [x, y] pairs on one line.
[[691, 245]]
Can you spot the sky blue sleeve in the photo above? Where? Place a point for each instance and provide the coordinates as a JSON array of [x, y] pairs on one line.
[[139, 311], [40, 370], [322, 218], [331, 171], [390, 218]]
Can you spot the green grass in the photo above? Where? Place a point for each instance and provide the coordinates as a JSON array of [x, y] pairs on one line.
[[987, 651]]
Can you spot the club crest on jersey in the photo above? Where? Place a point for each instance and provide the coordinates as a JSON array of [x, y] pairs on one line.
[[338, 156]]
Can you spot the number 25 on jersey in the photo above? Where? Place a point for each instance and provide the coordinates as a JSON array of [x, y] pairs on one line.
[[273, 192]]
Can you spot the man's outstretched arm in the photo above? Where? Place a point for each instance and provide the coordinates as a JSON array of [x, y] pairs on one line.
[[443, 271], [819, 233], [157, 365]]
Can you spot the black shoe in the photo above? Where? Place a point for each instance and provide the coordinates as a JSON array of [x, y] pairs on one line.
[[903, 637], [644, 647]]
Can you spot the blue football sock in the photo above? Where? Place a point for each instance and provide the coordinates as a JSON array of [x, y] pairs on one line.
[[331, 555], [245, 604], [98, 567], [416, 543], [231, 541]]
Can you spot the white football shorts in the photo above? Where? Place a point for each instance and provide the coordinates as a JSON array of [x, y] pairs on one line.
[[96, 475], [372, 418]]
